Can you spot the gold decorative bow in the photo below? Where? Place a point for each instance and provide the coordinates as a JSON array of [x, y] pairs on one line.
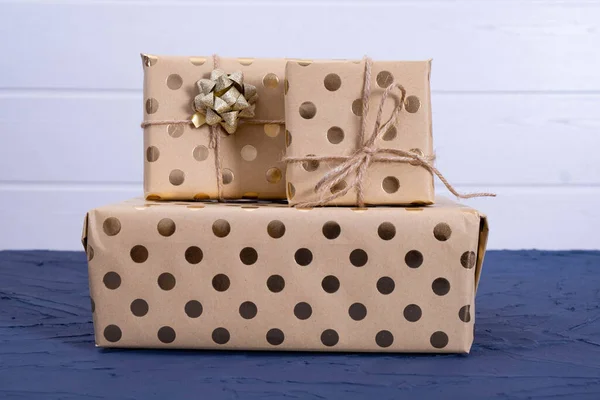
[[224, 99]]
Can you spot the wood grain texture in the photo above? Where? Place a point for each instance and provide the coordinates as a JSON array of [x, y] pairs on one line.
[[536, 336]]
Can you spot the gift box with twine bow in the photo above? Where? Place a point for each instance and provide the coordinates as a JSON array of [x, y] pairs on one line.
[[213, 128]]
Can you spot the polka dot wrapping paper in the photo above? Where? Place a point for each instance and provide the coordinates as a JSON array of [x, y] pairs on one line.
[[323, 109], [264, 276], [179, 163]]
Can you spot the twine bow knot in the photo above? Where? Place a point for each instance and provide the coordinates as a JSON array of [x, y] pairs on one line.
[[367, 153]]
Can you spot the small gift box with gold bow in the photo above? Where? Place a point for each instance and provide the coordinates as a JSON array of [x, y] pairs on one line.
[[359, 132], [213, 128]]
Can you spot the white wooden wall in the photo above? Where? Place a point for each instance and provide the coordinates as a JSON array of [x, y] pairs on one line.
[[516, 99]]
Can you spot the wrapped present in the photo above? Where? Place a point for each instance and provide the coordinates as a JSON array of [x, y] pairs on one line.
[[272, 277], [359, 132], [213, 128]]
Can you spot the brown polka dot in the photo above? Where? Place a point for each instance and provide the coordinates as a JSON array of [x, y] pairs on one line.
[[331, 230], [93, 305], [90, 252], [384, 79], [439, 340], [338, 187], [248, 255], [465, 313], [335, 135], [166, 281], [303, 311], [174, 82], [139, 307], [330, 284], [412, 104], [329, 337], [275, 337], [384, 339], [112, 280], [193, 255], [227, 176], [193, 309], [220, 282], [166, 227], [111, 226], [276, 283], [139, 253], [357, 311], [390, 184], [358, 257], [311, 165], [151, 106], [386, 285], [274, 175], [152, 153], [221, 228], [112, 333], [307, 110], [200, 153], [468, 259], [332, 82], [357, 107], [248, 310], [276, 229], [386, 231], [288, 138], [390, 134], [412, 313], [220, 336], [442, 231], [414, 259], [166, 334], [440, 286], [175, 131], [291, 190], [176, 177], [303, 257], [271, 81]]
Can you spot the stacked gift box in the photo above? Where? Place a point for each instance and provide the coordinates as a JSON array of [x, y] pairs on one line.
[[361, 257]]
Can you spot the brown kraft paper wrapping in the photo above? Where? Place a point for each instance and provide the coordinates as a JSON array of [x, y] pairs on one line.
[[178, 161], [271, 277], [322, 113]]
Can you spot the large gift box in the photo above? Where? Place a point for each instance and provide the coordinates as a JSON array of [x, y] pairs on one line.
[[271, 277], [183, 97], [324, 116]]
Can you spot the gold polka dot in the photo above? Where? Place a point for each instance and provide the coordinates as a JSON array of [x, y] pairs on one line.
[[250, 195], [271, 130], [390, 184], [246, 61], [332, 82], [286, 86], [412, 104], [201, 196], [339, 187], [174, 82], [227, 176], [307, 110], [152, 154], [175, 131], [384, 79], [310, 166], [390, 134], [291, 190], [271, 81], [335, 135], [176, 177], [304, 63], [166, 227], [111, 226], [200, 153], [274, 175], [357, 107], [288, 138], [153, 197], [151, 106], [249, 152], [197, 61], [149, 60]]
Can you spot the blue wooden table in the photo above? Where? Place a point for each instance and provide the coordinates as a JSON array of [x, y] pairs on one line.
[[537, 336]]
